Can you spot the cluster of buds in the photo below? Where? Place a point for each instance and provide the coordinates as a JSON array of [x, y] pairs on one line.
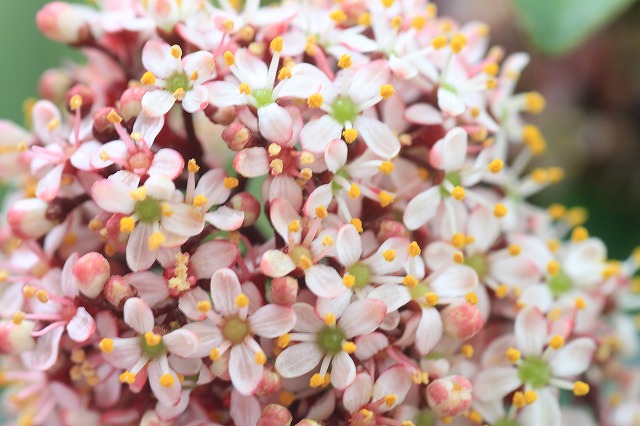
[[309, 213]]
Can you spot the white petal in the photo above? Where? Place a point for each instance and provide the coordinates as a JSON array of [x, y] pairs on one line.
[[224, 94], [348, 245], [157, 58], [139, 256], [157, 102], [394, 296], [449, 153], [272, 320], [379, 137], [574, 358], [211, 256], [225, 287], [429, 330], [545, 411], [396, 381], [424, 114], [343, 371], [455, 281], [225, 218], [138, 315], [195, 99], [450, 103], [362, 317], [324, 281], [82, 326], [531, 331], [495, 383], [298, 360], [316, 134], [245, 372], [422, 208], [335, 155], [275, 264], [358, 393], [167, 162], [252, 162], [181, 342]]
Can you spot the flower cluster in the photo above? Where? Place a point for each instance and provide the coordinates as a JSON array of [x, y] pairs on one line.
[[295, 214]]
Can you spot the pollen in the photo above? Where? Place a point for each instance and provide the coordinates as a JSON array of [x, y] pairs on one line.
[[229, 25], [533, 139], [556, 211], [4, 276], [501, 291], [458, 193], [148, 79], [385, 198], [106, 345], [580, 388], [138, 194], [127, 377], [390, 399], [276, 166], [192, 166], [305, 262], [553, 267], [229, 58], [387, 90], [364, 19], [113, 117], [354, 191], [200, 200], [305, 174], [276, 44], [28, 291], [321, 212], [439, 42], [179, 93], [579, 234], [496, 165], [306, 158], [514, 249], [152, 339], [556, 342], [242, 301], [155, 240], [284, 73], [230, 182], [414, 249], [410, 281], [294, 226], [396, 22], [530, 397], [418, 22], [327, 240], [176, 51], [491, 69], [345, 61], [329, 319], [203, 306], [500, 210], [349, 347], [338, 16], [283, 341], [431, 298], [387, 3], [166, 380], [386, 167], [471, 298], [458, 42], [458, 257], [53, 124], [167, 211], [18, 317], [244, 88], [458, 240], [518, 400], [214, 354], [467, 350], [513, 355], [350, 135], [357, 223], [389, 255], [286, 398], [315, 101], [316, 381], [75, 102], [260, 358], [349, 280], [367, 414], [42, 296], [534, 102], [580, 303]]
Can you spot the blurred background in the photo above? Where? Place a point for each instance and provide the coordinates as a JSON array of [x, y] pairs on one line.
[[585, 61]]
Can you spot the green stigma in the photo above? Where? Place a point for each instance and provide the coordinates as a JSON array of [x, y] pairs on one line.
[[361, 273], [177, 81], [330, 339], [148, 210], [560, 284], [235, 330], [344, 110], [534, 371], [262, 97]]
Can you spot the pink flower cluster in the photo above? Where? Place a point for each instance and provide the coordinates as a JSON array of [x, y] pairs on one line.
[[296, 214]]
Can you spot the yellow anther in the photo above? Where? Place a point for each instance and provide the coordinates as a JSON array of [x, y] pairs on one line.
[[315, 101], [364, 19], [475, 112], [311, 45], [534, 102], [467, 350], [367, 414], [306, 158], [458, 240], [194, 76], [176, 51], [228, 26], [357, 223], [276, 44], [496, 165], [533, 139], [329, 319], [345, 61], [458, 42], [316, 381], [491, 68], [53, 124], [554, 314], [556, 174], [321, 212], [152, 339], [418, 22], [113, 117], [229, 58], [327, 240], [554, 245], [4, 276], [385, 199], [349, 280], [354, 191], [192, 166], [127, 377], [284, 73], [166, 380], [389, 255], [179, 93], [242, 301], [492, 83], [471, 298], [530, 397], [518, 400], [386, 167], [136, 136], [501, 291], [138, 194], [230, 182], [349, 347], [439, 42], [407, 423], [350, 135], [553, 267], [500, 210], [260, 358], [78, 355], [431, 298], [106, 345], [214, 354], [475, 417], [167, 211], [390, 399], [18, 317], [148, 79], [155, 240], [579, 234], [244, 88], [204, 306], [580, 303], [514, 249], [580, 388], [556, 342], [294, 226], [556, 211], [200, 200], [305, 174], [458, 193], [576, 216], [458, 257], [283, 341], [446, 419], [75, 102], [286, 398], [414, 249], [513, 355], [410, 281], [396, 22], [304, 262], [387, 3], [28, 291], [276, 166], [387, 90], [338, 16], [42, 296]]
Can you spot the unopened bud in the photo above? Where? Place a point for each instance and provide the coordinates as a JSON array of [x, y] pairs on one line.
[[275, 415], [462, 320], [249, 205], [449, 396], [103, 129], [270, 384], [236, 135], [28, 218], [284, 290], [15, 336], [63, 22], [90, 273], [117, 289], [53, 85], [391, 228], [131, 103]]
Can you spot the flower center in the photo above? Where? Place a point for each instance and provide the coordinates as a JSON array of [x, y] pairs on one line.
[[506, 422], [344, 109], [152, 351], [177, 81], [335, 186], [148, 210], [478, 263], [330, 339], [361, 273], [235, 330], [560, 283], [426, 418], [298, 252], [449, 87], [454, 178], [262, 96], [534, 371], [419, 291]]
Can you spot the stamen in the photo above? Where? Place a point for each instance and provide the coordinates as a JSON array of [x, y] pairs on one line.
[[513, 355], [321, 212], [385, 198], [500, 210], [349, 280], [386, 167], [192, 166], [53, 124], [354, 191], [199, 200], [357, 223], [431, 298], [580, 303], [390, 399], [350, 135], [284, 73], [364, 19], [553, 267], [242, 300], [138, 194], [330, 319], [315, 101], [283, 341], [345, 61], [458, 193], [176, 51], [514, 249], [194, 76], [389, 255], [316, 381], [458, 42], [231, 182], [204, 306], [127, 377], [556, 342], [294, 226], [386, 91], [179, 93], [579, 234], [152, 339], [276, 44], [501, 291], [491, 69], [471, 298], [244, 88], [18, 317], [166, 380], [306, 158], [113, 117], [75, 102], [229, 58], [338, 16], [148, 79], [496, 165], [458, 257], [214, 354], [580, 388], [155, 240], [439, 42], [349, 347], [260, 358], [410, 281], [467, 350]]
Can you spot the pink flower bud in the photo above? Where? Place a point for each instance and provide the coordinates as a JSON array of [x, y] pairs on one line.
[[27, 218], [270, 384], [449, 396], [246, 203], [391, 228], [14, 160], [307, 422], [274, 415], [103, 129], [436, 367], [117, 289], [462, 320], [53, 85], [284, 290], [63, 22], [15, 338], [236, 135], [223, 115], [91, 271], [86, 95], [130, 103]]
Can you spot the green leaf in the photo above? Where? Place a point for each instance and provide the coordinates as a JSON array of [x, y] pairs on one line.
[[556, 26]]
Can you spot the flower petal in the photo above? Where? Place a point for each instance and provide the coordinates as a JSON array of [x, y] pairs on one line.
[[167, 395], [531, 331], [455, 281], [450, 103], [358, 394], [195, 99], [251, 162], [396, 381], [126, 352], [212, 256], [298, 360], [379, 137], [422, 208], [244, 371], [495, 383], [157, 103], [316, 134], [275, 123], [138, 315], [335, 155], [574, 358], [166, 162], [276, 264], [324, 281], [394, 296], [343, 370], [224, 94], [348, 245], [157, 58], [429, 331], [82, 326], [225, 287], [449, 153], [362, 317], [225, 218], [151, 287], [139, 256], [272, 320]]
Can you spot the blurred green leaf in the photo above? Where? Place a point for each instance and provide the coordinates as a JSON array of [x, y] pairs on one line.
[[556, 26]]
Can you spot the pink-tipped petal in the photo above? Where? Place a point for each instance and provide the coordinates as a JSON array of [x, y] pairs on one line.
[[225, 218], [167, 395], [195, 99], [181, 342], [245, 372], [167, 162], [112, 196], [252, 162], [272, 320], [276, 264], [343, 370], [49, 185], [82, 326], [212, 256], [324, 281], [348, 245], [574, 358], [358, 394], [138, 315], [157, 102], [362, 317], [531, 331], [396, 381], [225, 287], [298, 360], [378, 136], [449, 153], [429, 330], [496, 383], [139, 257], [317, 134], [157, 58], [275, 123]]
